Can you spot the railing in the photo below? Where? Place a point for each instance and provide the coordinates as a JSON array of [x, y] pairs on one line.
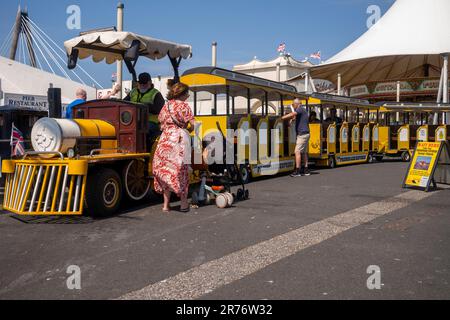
[[44, 189]]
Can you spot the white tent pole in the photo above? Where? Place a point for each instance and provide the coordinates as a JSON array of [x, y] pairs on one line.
[[439, 98], [445, 85], [445, 80], [120, 8], [339, 84], [307, 80]]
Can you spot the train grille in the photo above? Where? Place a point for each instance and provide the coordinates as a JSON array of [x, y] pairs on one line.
[[44, 189]]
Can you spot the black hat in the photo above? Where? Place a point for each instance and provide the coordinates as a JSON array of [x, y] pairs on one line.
[[144, 78]]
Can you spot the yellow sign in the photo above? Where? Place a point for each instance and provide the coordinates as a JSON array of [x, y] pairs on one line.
[[423, 165]]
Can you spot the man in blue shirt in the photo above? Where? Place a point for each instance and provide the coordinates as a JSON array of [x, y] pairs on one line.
[[300, 115], [81, 98]]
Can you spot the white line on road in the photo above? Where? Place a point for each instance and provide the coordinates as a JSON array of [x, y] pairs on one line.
[[204, 279]]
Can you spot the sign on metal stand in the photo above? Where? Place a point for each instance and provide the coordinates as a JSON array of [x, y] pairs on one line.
[[430, 165]]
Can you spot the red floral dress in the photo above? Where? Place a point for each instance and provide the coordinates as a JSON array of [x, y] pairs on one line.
[[170, 169]]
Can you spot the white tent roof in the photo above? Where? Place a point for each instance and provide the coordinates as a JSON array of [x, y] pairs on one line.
[[284, 60], [405, 43], [109, 46], [18, 78]]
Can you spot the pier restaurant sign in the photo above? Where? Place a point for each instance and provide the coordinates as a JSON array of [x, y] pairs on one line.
[[39, 103]]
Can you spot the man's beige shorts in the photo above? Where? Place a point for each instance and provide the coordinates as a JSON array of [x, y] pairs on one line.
[[302, 143]]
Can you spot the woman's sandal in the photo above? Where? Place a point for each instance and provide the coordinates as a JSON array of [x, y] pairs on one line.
[[166, 210]]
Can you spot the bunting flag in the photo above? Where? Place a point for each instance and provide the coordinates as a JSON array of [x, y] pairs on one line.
[[17, 142], [316, 55]]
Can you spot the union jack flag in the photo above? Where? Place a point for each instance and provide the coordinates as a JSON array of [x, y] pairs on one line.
[[316, 55], [282, 48], [17, 142]]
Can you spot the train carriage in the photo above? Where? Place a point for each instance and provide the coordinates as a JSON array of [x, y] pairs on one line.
[[404, 124], [344, 132], [248, 103]]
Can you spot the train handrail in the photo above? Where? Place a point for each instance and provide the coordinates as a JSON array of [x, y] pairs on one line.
[[37, 153], [99, 150]]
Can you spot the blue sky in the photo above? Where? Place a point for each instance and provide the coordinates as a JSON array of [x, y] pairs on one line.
[[243, 29]]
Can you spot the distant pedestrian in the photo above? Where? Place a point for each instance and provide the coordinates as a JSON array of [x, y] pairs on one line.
[[301, 119], [81, 98]]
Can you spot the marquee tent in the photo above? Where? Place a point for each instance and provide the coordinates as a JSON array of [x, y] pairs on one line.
[[409, 41]]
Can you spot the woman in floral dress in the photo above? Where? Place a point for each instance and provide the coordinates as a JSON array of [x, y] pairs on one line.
[[170, 165]]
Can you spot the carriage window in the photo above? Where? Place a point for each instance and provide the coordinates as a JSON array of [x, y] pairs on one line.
[[126, 118]]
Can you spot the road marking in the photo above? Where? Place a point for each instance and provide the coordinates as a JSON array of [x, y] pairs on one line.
[[206, 278]]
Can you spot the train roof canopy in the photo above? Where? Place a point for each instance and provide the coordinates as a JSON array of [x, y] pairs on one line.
[[416, 107], [341, 101], [112, 45], [216, 80]]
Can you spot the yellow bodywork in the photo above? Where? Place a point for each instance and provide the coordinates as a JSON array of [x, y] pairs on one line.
[[344, 138], [315, 140], [36, 186], [209, 125], [96, 129], [45, 187], [383, 139], [404, 144]]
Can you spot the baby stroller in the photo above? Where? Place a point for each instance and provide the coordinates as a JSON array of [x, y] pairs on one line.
[[217, 181]]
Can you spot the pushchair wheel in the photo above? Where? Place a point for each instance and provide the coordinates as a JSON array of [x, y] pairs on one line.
[[222, 201], [240, 195], [230, 198]]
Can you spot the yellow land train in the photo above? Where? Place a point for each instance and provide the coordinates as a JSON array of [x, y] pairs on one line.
[[82, 162], [343, 132], [402, 125], [224, 99]]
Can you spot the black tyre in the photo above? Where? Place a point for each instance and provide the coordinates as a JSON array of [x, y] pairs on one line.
[[331, 162], [406, 157], [103, 193], [240, 195], [246, 174], [379, 158], [370, 158]]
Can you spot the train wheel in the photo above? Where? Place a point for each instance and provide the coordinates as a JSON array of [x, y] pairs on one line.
[[406, 157], [136, 182], [104, 193], [331, 162], [379, 158], [370, 158], [245, 172]]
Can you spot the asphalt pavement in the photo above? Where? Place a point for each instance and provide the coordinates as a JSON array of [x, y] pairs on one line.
[[296, 238]]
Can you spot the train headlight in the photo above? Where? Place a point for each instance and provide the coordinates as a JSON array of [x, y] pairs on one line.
[[71, 153]]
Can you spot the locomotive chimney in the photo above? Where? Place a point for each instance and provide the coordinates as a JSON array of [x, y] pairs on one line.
[[214, 54], [120, 8]]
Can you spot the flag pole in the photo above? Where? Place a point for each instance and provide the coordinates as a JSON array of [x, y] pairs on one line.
[[11, 139]]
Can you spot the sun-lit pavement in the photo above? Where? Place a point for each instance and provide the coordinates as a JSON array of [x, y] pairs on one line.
[[297, 238]]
